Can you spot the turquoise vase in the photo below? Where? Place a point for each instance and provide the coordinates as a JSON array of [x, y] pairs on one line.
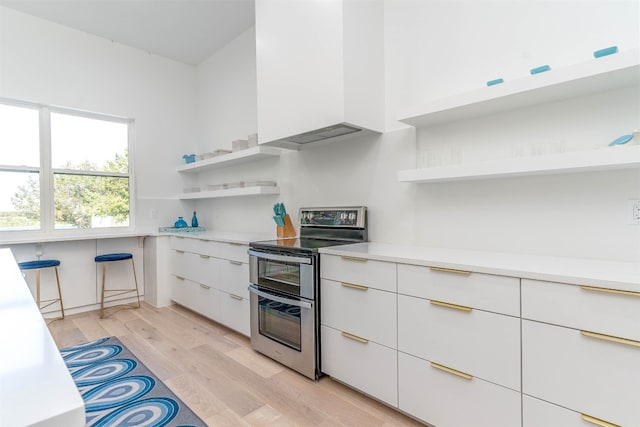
[[180, 223], [194, 220]]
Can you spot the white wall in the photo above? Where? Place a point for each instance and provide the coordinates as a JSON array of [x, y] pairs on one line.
[[435, 49], [48, 63]]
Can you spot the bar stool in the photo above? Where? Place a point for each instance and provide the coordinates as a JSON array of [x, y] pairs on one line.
[[38, 266], [104, 259]]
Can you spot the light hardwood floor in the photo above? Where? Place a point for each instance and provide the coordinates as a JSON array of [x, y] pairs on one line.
[[217, 374]]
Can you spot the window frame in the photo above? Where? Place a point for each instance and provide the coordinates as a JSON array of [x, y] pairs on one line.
[[47, 174]]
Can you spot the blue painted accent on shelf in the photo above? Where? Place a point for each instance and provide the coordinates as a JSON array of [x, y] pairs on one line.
[[606, 51], [495, 82], [540, 69]]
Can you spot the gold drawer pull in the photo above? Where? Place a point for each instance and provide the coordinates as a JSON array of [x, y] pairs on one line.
[[205, 286], [204, 240], [236, 262], [179, 277], [178, 237], [353, 258], [238, 297], [236, 243], [610, 338], [610, 291], [454, 306], [352, 286], [597, 421], [355, 337], [205, 256], [451, 371], [180, 252], [450, 270]]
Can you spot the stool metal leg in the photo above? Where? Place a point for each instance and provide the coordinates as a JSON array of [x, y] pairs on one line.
[[104, 276], [135, 279], [59, 291]]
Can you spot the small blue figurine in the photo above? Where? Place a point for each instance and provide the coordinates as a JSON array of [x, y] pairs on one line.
[[194, 220]]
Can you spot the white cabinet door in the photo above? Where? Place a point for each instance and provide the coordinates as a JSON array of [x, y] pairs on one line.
[[447, 400], [588, 374], [232, 277], [607, 311], [538, 413], [500, 294], [232, 311], [357, 271], [367, 313], [367, 366], [484, 344]]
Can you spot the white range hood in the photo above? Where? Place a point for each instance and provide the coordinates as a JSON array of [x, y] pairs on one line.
[[320, 70]]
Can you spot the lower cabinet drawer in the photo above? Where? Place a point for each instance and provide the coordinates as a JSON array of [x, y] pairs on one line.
[[232, 311], [232, 277], [443, 399], [368, 367], [538, 413], [590, 374], [193, 295]]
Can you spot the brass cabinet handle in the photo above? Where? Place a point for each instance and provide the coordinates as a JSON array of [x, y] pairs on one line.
[[450, 270], [353, 258], [204, 240], [180, 252], [205, 286], [610, 291], [358, 287], [236, 244], [355, 337], [454, 306], [238, 297], [451, 371], [179, 237], [610, 338], [179, 277], [236, 262], [597, 421], [205, 256]]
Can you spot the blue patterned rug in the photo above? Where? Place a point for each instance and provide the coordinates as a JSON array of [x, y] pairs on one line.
[[118, 390]]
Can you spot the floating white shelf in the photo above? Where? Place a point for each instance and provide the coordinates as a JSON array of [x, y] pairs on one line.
[[231, 192], [235, 158], [606, 73], [609, 158]]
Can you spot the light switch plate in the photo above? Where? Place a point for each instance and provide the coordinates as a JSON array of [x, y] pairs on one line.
[[633, 211]]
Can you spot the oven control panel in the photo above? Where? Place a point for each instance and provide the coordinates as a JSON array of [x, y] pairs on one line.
[[353, 217]]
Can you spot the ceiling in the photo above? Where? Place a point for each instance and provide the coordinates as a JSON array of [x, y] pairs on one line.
[[187, 31]]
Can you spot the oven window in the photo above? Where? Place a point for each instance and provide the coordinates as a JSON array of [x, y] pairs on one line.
[[280, 322], [280, 272]]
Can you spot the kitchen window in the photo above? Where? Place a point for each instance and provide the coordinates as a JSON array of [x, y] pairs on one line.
[[64, 170]]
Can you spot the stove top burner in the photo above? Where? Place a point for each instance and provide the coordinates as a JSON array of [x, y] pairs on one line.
[[300, 244]]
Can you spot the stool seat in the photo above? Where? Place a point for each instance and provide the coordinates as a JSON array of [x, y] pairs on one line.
[[113, 257], [42, 263]]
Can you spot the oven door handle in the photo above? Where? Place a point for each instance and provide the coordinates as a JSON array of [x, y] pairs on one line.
[[301, 304], [283, 258]]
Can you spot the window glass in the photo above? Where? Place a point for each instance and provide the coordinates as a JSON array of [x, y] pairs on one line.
[[80, 143], [19, 201], [85, 201], [19, 136]]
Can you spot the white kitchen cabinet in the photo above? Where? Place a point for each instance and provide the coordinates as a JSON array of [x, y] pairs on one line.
[[359, 271], [210, 277], [483, 344], [361, 311], [445, 397], [593, 374], [538, 413], [319, 64], [365, 365], [608, 311], [500, 294]]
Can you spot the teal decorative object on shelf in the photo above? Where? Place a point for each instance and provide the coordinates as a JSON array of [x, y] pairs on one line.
[[182, 229], [180, 223], [194, 220], [189, 158]]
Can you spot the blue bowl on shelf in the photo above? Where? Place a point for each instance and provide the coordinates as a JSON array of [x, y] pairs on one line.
[[189, 158]]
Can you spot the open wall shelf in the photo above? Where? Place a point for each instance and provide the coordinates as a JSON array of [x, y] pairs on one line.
[[231, 192], [238, 157]]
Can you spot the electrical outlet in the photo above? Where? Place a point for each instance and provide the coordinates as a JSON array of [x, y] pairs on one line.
[[633, 211], [154, 214]]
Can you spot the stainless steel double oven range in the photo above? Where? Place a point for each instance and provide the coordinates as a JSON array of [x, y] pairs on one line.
[[285, 285]]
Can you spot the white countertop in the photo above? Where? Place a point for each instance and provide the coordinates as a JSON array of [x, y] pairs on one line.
[[579, 271], [225, 236], [35, 385]]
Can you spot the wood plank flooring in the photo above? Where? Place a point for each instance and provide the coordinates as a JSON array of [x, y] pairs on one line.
[[217, 374]]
